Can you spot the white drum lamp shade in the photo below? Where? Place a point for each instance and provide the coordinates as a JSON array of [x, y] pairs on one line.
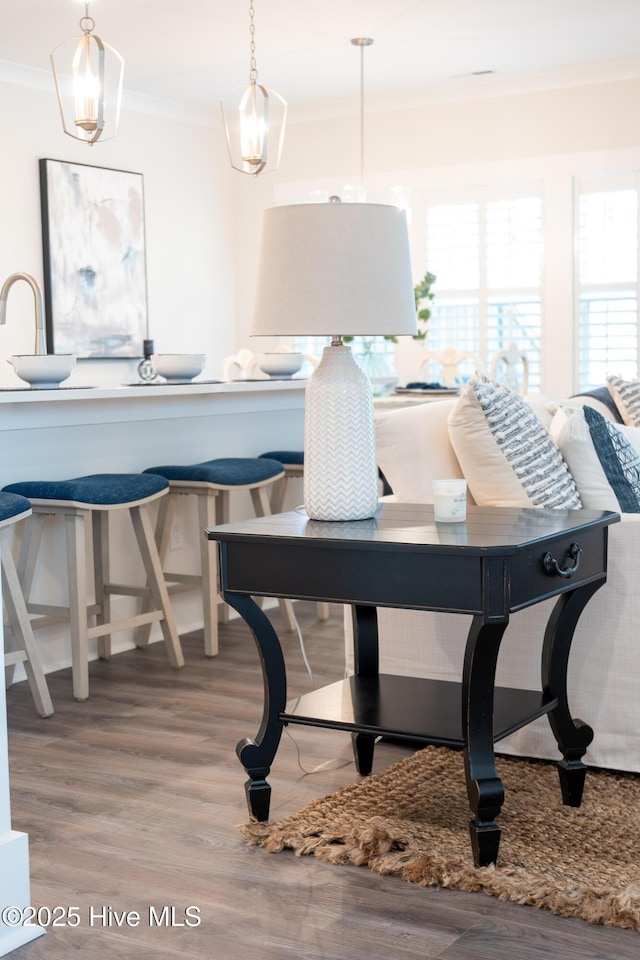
[[341, 270]]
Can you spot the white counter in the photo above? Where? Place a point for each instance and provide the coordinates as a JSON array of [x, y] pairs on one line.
[[54, 434]]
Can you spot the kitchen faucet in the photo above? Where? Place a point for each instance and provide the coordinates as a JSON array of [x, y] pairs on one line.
[[41, 340]]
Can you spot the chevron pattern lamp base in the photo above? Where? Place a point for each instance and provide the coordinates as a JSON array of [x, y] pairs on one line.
[[340, 471]]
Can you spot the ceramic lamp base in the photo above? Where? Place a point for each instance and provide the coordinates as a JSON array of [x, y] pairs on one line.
[[340, 470]]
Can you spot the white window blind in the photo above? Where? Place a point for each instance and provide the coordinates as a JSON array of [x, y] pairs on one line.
[[486, 251], [607, 277]]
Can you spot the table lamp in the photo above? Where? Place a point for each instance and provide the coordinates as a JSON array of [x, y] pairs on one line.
[[336, 269]]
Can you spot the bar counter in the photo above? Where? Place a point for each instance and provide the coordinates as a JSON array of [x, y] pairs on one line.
[[69, 432], [66, 432]]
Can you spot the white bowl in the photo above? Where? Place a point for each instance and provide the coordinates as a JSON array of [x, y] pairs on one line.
[[179, 367], [280, 365], [44, 370]]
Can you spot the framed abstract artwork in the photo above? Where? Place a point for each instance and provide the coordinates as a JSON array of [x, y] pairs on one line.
[[95, 275]]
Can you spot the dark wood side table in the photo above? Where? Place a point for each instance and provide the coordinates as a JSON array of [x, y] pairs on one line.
[[496, 563]]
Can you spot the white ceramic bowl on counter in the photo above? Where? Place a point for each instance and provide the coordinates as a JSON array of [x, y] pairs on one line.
[[179, 367], [280, 365], [44, 370]]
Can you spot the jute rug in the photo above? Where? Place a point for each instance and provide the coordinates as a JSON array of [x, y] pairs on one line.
[[411, 821]]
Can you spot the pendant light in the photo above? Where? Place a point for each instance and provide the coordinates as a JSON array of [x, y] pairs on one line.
[[92, 64], [254, 119]]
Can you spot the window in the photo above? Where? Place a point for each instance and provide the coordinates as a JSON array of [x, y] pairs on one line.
[[486, 252], [607, 277]]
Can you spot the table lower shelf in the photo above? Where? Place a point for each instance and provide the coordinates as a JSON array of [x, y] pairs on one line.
[[410, 708]]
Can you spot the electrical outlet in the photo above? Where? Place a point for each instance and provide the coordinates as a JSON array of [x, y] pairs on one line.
[[176, 540]]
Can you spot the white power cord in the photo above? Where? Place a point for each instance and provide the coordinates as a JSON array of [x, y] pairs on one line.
[[334, 764], [303, 650]]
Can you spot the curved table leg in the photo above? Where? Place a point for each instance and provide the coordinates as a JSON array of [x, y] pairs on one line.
[[366, 664], [573, 736], [484, 787], [257, 755]]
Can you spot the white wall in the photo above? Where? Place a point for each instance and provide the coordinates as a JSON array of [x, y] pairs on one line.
[[189, 221], [551, 136], [203, 218]]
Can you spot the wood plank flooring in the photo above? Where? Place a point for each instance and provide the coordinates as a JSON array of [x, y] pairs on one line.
[[132, 798]]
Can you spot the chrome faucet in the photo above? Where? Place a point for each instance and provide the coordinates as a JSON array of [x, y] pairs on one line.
[[41, 340]]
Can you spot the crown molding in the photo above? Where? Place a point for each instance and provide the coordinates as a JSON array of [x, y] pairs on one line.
[[450, 90], [482, 87], [37, 79]]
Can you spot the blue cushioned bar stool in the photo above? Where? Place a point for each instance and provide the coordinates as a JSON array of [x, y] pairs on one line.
[[293, 465], [20, 645], [212, 482], [78, 501]]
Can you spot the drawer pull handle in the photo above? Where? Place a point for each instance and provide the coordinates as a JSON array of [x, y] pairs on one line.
[[552, 566]]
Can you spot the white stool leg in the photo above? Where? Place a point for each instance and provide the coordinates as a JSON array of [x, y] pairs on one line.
[[28, 544], [222, 516], [278, 494], [29, 547], [209, 572], [164, 519], [156, 583], [101, 546], [21, 628], [14, 545], [77, 578]]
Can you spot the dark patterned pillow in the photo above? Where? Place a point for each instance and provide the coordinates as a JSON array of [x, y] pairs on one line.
[[618, 459], [626, 395], [603, 395]]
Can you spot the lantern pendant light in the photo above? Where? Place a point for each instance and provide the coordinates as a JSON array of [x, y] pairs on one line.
[[93, 64], [254, 120]]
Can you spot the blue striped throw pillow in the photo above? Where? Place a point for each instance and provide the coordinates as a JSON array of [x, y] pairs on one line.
[[505, 451]]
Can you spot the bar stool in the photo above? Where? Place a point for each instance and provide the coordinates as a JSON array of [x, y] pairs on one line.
[[20, 644], [212, 482], [94, 498], [293, 464]]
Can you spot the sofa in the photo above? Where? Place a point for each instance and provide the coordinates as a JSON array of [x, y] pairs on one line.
[[424, 442]]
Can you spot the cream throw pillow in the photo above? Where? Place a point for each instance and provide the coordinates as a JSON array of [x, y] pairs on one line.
[[413, 449], [506, 453]]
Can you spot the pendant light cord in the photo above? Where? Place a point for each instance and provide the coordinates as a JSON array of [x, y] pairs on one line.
[[362, 116], [362, 42]]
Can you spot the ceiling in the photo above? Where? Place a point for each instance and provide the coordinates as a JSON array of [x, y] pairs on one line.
[[192, 52]]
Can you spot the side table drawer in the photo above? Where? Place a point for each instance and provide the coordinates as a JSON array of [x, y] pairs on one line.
[[384, 577], [558, 565]]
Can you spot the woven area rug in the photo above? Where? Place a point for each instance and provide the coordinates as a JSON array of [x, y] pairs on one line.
[[411, 821]]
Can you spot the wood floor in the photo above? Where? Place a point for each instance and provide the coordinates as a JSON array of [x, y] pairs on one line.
[[131, 802]]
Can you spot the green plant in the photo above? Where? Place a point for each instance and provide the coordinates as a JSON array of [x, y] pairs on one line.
[[423, 295]]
